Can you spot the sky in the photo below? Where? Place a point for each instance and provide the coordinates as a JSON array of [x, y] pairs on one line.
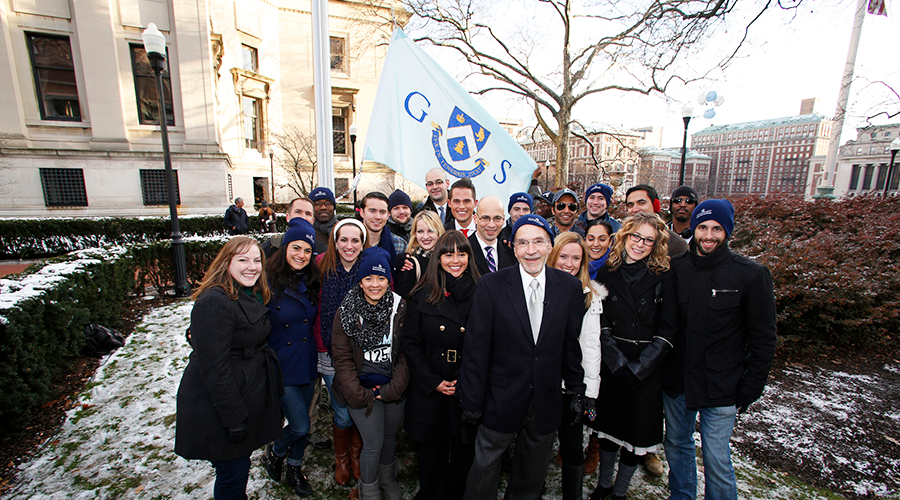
[[790, 56]]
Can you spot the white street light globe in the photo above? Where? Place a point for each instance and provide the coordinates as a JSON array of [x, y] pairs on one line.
[[895, 144], [154, 40]]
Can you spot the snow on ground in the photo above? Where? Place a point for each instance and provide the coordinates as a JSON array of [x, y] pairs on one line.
[[117, 440]]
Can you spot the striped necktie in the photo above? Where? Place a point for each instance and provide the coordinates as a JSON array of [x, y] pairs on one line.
[[492, 266]]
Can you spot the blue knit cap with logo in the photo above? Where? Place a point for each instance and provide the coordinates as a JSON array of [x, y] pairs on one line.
[[603, 189], [300, 229], [322, 193], [374, 260], [521, 198], [532, 220], [720, 211]]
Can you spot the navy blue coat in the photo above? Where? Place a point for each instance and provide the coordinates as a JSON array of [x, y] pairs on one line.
[[503, 369], [293, 315]]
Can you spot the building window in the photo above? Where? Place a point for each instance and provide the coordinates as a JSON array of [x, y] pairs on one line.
[[338, 54], [854, 178], [153, 187], [339, 126], [63, 187], [252, 130], [145, 88], [54, 77], [250, 58]]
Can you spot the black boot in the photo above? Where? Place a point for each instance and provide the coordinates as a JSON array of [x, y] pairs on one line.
[[274, 463], [572, 482], [298, 481], [600, 493]]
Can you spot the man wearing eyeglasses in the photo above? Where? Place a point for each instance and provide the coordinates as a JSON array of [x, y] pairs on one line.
[[324, 205], [436, 183], [644, 198], [489, 254], [565, 213], [521, 343], [682, 204]]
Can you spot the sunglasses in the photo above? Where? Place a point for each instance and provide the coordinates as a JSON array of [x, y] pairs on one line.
[[572, 206], [686, 199]]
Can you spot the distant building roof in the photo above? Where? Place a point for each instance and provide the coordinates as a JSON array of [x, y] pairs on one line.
[[772, 122], [673, 153]]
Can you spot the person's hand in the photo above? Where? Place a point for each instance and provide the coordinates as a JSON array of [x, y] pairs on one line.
[[237, 433], [574, 409], [407, 264], [377, 392], [590, 409], [471, 417], [536, 173], [446, 387], [627, 377]]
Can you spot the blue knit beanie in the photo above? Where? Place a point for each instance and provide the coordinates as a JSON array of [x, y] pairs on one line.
[[720, 211], [322, 193], [398, 198], [603, 189], [374, 260], [300, 229], [520, 197], [532, 220]]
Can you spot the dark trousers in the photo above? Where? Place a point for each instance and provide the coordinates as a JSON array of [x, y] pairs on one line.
[[571, 444], [231, 478], [530, 463], [443, 468]]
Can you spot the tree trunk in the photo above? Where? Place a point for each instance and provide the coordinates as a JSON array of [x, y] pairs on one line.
[[562, 151]]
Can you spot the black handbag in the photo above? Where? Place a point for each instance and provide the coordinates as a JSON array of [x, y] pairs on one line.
[[100, 340]]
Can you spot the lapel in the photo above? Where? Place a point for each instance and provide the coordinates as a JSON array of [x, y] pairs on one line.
[[516, 294], [297, 293], [253, 310], [445, 309], [617, 283]]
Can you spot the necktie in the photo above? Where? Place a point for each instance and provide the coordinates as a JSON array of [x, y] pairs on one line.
[[441, 211], [465, 232], [535, 309], [492, 266]]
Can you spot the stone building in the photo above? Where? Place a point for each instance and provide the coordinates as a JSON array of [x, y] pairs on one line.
[[79, 132], [862, 164]]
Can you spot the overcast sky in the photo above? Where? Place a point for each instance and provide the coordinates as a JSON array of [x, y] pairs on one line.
[[791, 56]]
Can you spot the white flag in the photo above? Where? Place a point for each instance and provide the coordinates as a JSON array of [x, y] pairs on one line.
[[423, 118]]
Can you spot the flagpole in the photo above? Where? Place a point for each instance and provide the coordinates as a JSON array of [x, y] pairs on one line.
[[826, 185], [322, 89]]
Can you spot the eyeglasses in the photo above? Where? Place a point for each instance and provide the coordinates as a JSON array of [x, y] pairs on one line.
[[498, 219], [430, 183], [536, 242], [572, 206], [638, 239], [686, 199]]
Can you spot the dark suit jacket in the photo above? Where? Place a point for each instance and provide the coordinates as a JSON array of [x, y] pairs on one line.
[[503, 257], [503, 369]]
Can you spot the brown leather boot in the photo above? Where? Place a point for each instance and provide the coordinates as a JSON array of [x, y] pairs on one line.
[[592, 454], [356, 446], [342, 439]]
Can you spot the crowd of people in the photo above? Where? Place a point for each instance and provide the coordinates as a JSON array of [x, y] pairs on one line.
[[488, 329]]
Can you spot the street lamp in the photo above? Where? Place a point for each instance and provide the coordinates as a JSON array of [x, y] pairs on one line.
[[353, 131], [895, 146], [686, 116], [155, 45], [272, 173]]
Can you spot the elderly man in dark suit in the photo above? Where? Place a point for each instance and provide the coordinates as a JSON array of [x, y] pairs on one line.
[[521, 344], [488, 252]]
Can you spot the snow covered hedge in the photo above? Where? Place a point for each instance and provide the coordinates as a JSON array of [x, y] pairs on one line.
[[39, 237], [43, 312]]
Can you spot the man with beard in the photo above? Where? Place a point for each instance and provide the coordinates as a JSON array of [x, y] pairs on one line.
[[400, 220], [565, 212], [682, 203], [724, 349], [324, 204]]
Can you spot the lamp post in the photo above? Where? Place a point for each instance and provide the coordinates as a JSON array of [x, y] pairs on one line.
[[686, 116], [155, 45], [272, 172], [895, 146], [353, 131]]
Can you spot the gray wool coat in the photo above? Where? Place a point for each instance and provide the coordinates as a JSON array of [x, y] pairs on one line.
[[232, 377]]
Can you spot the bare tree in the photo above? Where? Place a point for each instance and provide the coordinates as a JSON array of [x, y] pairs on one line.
[[603, 45], [298, 159]]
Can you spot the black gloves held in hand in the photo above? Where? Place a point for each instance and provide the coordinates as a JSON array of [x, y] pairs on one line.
[[574, 409], [237, 433], [627, 377], [471, 417]]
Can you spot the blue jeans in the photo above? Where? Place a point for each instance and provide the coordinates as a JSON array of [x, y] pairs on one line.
[[716, 426], [295, 404], [342, 418], [231, 479]]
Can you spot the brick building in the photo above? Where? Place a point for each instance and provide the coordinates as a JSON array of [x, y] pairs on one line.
[[661, 168]]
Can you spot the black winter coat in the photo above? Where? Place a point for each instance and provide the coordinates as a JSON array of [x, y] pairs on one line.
[[638, 331], [726, 339], [233, 377], [433, 342], [236, 220]]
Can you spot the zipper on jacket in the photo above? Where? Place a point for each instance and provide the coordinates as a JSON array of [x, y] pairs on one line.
[[714, 291]]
